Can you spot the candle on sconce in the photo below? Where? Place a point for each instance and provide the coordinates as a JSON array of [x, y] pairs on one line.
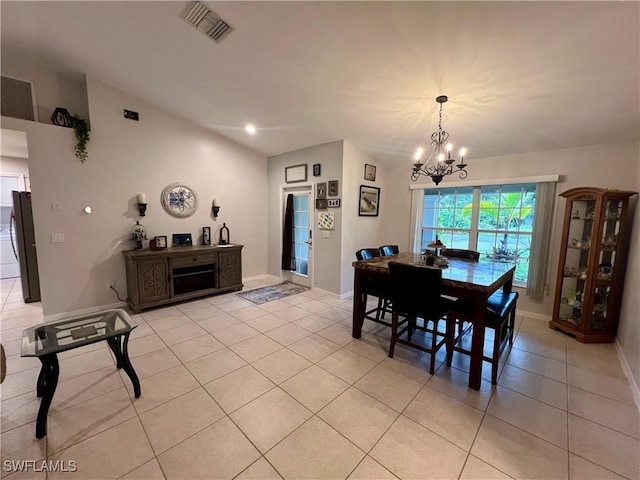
[[142, 198], [214, 203]]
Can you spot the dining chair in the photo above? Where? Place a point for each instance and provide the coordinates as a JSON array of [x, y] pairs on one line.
[[376, 287], [461, 253], [416, 293], [501, 315], [387, 250]]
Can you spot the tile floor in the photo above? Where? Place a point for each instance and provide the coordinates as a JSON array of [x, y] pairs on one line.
[[281, 390]]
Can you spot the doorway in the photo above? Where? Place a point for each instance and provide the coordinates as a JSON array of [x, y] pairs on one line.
[[302, 237]]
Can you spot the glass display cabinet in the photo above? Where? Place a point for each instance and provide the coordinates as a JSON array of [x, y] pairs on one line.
[[592, 263]]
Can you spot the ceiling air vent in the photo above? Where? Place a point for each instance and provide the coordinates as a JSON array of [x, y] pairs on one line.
[[207, 22], [17, 99]]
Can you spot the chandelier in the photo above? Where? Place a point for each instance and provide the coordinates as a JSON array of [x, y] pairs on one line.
[[439, 162]]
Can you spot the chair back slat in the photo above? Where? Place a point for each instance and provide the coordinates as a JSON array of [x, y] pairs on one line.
[[416, 290], [387, 250], [367, 253], [461, 253]]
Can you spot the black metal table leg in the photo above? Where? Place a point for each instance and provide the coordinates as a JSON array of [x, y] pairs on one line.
[[49, 373], [40, 384], [126, 365], [114, 345]]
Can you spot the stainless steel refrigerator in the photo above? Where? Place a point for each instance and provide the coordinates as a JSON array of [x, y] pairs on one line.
[[26, 246]]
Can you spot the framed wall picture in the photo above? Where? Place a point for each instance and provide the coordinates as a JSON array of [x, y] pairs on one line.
[[333, 188], [316, 169], [326, 221], [370, 172], [333, 203], [369, 204], [206, 235], [321, 204], [321, 190], [296, 173]]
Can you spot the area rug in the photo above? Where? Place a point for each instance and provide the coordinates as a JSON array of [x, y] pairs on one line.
[[272, 292]]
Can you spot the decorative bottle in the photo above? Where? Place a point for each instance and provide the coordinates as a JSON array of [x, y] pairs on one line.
[[224, 235], [138, 234]]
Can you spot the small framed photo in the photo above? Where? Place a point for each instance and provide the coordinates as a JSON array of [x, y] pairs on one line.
[[333, 188], [316, 169], [296, 173], [161, 242], [333, 203], [321, 190], [370, 172], [369, 204], [206, 235], [321, 204]]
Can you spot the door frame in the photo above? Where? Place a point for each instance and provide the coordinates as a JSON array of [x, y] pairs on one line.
[[284, 191]]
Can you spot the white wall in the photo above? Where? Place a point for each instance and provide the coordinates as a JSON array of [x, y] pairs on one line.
[[52, 89], [325, 251], [126, 158]]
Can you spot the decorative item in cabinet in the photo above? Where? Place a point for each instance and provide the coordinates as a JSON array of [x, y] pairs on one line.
[[592, 263]]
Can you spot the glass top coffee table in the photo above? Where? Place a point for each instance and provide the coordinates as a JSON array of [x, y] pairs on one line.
[[46, 340]]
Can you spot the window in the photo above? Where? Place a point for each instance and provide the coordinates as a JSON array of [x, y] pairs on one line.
[[495, 220]]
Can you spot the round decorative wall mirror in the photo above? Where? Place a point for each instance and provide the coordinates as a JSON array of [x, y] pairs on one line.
[[179, 200]]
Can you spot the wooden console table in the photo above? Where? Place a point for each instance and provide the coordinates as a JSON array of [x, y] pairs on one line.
[[160, 277]]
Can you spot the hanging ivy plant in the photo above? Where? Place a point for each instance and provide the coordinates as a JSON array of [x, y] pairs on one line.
[[81, 128]]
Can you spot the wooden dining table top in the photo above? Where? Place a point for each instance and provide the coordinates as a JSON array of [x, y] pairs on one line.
[[470, 274]]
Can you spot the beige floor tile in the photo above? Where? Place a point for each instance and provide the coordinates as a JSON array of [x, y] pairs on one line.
[[16, 364], [18, 411], [450, 418], [24, 475], [88, 362], [359, 417], [255, 348], [163, 387], [336, 314], [182, 333], [196, 348], [214, 365], [140, 331], [296, 299], [313, 306], [239, 388], [476, 469], [21, 444], [337, 333], [204, 456], [611, 387], [605, 447], [19, 384], [603, 363], [259, 470], [84, 387], [162, 312], [581, 469], [326, 453], [144, 345], [290, 313], [314, 387], [411, 363], [202, 312], [234, 305], [537, 418], [74, 424], [409, 450], [314, 347], [149, 471], [281, 365], [168, 323], [610, 413], [390, 387], [267, 322], [235, 334], [518, 453], [313, 323], [531, 344], [152, 363], [274, 306], [369, 469], [12, 347], [95, 456], [219, 322], [249, 313], [347, 365], [370, 346], [288, 334], [535, 386], [269, 418], [178, 419], [546, 367]]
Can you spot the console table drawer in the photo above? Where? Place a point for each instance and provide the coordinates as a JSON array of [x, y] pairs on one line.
[[196, 259]]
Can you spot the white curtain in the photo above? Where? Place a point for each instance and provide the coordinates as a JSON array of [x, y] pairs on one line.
[[415, 235], [542, 221]]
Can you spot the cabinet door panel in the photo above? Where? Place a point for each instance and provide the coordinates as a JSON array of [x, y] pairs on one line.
[[153, 276], [230, 268]]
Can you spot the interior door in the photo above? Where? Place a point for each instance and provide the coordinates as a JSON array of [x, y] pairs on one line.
[[302, 238]]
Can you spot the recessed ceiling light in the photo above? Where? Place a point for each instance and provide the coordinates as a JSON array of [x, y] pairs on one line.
[[250, 128]]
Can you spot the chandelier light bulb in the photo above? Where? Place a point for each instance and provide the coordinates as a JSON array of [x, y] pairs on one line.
[[250, 128], [440, 156], [463, 152], [419, 153], [449, 147]]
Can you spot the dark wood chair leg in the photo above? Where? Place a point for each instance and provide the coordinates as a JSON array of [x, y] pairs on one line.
[[379, 310], [394, 333], [450, 333]]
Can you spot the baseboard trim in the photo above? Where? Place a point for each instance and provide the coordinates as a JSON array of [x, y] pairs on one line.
[[84, 311], [325, 292], [635, 391], [346, 295]]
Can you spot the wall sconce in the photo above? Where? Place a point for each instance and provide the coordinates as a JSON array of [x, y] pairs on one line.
[[215, 207], [142, 204]]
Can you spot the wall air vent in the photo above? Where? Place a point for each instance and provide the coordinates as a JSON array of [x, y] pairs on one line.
[[17, 99], [207, 22]]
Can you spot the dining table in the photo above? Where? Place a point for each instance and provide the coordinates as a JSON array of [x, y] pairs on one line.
[[469, 280]]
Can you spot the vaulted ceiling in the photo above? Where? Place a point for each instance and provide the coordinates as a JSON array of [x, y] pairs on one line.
[[520, 76]]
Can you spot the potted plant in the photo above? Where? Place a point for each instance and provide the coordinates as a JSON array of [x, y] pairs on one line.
[[81, 127]]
